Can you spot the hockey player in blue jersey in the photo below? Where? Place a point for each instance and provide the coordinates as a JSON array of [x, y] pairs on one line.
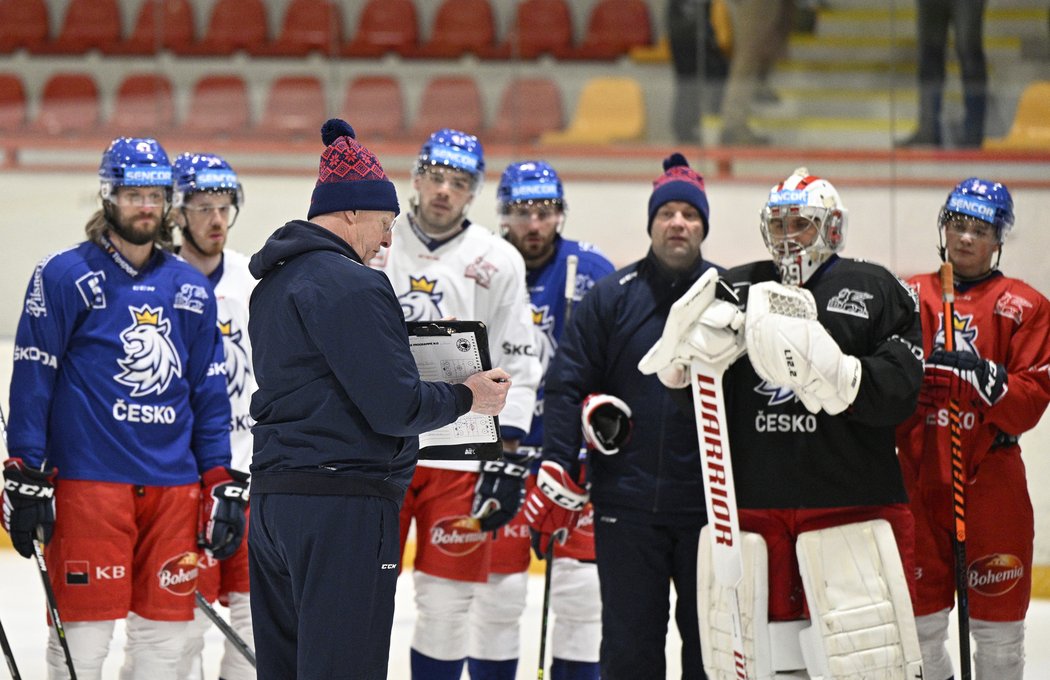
[[206, 199], [532, 211], [119, 422]]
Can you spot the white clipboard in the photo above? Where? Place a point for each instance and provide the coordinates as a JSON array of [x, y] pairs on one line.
[[450, 351]]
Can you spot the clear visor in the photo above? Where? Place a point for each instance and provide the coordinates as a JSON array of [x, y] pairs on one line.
[[525, 211], [139, 197], [459, 181]]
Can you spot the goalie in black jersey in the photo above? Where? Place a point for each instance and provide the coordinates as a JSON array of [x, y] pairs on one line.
[[821, 357]]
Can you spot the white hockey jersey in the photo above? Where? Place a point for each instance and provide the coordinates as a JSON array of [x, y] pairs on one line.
[[473, 276], [232, 291]]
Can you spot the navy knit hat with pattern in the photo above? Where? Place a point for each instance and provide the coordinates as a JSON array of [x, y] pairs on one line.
[[350, 176], [679, 183]]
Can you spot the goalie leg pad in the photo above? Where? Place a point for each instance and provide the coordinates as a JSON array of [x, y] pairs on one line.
[[1000, 649], [714, 607], [862, 621]]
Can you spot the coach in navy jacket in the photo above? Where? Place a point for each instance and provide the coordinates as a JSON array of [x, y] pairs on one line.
[[648, 498], [338, 409]]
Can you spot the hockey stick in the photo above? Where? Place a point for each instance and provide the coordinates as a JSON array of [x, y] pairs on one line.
[[227, 630], [571, 263], [38, 552], [720, 495], [958, 481], [9, 656]]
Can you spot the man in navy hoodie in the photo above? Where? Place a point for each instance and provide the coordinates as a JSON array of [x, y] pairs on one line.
[[338, 409]]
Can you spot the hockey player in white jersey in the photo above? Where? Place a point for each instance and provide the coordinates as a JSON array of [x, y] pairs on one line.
[[442, 265], [206, 200]]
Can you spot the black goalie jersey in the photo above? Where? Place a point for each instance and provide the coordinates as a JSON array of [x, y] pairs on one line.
[[786, 457]]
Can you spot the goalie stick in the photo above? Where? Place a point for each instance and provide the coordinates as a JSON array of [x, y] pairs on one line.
[[720, 494], [570, 297], [958, 481], [226, 628], [41, 563]]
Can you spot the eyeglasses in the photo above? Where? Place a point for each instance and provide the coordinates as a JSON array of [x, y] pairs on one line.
[[974, 228], [228, 212], [140, 199], [457, 181]]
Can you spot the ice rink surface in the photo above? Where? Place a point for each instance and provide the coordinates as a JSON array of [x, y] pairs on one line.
[[22, 614]]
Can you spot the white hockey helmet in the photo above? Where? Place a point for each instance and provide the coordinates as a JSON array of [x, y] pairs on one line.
[[798, 252]]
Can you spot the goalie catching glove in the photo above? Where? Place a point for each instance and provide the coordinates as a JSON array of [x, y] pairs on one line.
[[553, 506], [963, 376], [606, 422], [789, 348], [29, 502], [224, 498], [703, 325], [500, 490]]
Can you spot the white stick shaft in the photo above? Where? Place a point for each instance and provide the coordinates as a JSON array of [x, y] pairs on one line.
[[570, 284], [723, 522]]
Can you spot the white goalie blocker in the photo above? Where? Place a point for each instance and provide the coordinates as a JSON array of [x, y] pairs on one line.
[[861, 623]]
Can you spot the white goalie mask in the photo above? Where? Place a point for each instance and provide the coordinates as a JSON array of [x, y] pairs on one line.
[[803, 224]]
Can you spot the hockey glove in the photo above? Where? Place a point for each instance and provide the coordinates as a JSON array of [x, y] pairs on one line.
[[963, 376], [553, 506], [606, 422], [500, 490], [29, 502], [224, 498]]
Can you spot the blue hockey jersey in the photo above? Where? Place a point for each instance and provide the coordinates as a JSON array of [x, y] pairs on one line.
[[547, 293], [118, 373]]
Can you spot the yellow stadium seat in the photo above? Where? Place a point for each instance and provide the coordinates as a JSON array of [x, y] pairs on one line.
[[609, 110], [1031, 128]]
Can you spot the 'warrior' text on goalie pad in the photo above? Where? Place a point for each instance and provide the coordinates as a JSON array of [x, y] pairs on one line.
[[768, 648], [862, 627]]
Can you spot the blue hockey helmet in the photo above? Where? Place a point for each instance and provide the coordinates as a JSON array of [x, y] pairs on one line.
[[196, 172], [453, 149], [981, 199], [134, 162], [530, 182]]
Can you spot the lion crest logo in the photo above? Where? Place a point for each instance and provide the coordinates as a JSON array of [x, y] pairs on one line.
[[237, 365], [150, 360], [421, 302]]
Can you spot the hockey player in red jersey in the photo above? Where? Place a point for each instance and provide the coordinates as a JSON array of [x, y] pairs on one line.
[[998, 375]]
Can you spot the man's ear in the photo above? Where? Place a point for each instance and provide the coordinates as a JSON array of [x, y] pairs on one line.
[[351, 216]]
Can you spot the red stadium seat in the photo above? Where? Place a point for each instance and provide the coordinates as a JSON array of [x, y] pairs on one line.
[[161, 25], [453, 102], [528, 108], [296, 107], [385, 26], [144, 106], [23, 24], [12, 103], [219, 106], [234, 25], [374, 106], [308, 26], [69, 104], [540, 26], [461, 26], [614, 27], [88, 24]]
